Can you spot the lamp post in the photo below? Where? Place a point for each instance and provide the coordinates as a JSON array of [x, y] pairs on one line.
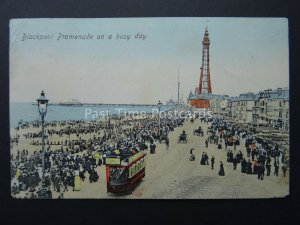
[[159, 105], [109, 131], [42, 107]]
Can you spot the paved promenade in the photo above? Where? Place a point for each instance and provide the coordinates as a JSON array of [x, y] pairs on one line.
[[170, 175]]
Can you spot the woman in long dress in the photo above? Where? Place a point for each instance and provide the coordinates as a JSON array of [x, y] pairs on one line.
[[221, 171]]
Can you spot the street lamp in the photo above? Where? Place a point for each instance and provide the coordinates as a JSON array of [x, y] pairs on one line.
[[159, 106], [109, 131], [42, 107]]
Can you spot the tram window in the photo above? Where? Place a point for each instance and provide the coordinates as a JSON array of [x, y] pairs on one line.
[[118, 174]]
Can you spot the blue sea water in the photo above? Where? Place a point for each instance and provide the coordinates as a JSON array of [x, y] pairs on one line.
[[29, 112]]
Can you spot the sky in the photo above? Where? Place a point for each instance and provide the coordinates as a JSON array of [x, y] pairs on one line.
[[246, 55]]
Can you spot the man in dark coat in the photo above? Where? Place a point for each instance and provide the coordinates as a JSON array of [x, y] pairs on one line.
[[212, 162], [234, 161], [261, 171]]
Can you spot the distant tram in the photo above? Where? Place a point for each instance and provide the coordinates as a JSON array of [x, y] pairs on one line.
[[122, 176]]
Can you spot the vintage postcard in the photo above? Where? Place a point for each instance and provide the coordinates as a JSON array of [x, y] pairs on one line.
[[149, 108]]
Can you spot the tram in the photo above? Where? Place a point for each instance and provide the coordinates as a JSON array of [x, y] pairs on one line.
[[122, 176]]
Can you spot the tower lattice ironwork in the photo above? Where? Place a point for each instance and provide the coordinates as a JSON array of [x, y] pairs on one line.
[[204, 83]]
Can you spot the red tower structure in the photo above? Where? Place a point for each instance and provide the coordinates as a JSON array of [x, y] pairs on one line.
[[204, 83], [204, 88]]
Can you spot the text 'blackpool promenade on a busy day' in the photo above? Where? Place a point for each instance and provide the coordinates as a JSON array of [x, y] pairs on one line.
[[202, 146]]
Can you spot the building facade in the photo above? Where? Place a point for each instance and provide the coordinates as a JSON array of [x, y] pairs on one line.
[[218, 104], [272, 108], [241, 107], [268, 107]]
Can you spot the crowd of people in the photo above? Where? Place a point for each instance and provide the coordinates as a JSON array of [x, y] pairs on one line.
[[260, 153], [68, 161], [75, 149]]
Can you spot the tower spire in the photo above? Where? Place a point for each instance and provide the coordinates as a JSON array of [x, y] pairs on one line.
[[204, 83]]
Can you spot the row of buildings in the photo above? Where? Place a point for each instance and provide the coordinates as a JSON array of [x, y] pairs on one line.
[[268, 107]]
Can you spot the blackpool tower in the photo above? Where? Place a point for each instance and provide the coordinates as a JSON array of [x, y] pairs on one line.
[[204, 83], [201, 98]]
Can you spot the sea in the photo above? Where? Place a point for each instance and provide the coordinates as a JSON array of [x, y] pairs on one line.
[[29, 111]]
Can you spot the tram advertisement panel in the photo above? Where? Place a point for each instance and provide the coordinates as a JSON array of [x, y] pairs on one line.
[[136, 167], [113, 161]]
